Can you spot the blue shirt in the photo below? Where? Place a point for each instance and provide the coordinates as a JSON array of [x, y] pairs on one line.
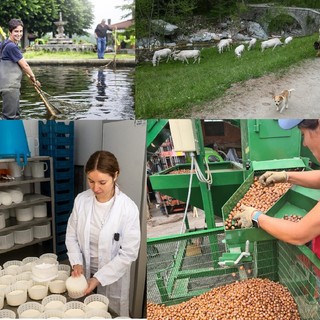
[[11, 51]]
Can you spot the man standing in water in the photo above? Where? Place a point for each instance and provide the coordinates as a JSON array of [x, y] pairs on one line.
[[12, 64], [101, 36]]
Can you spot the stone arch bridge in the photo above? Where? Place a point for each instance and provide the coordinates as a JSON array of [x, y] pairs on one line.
[[308, 19]]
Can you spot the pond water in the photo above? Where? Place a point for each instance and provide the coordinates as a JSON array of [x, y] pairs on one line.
[[80, 93]]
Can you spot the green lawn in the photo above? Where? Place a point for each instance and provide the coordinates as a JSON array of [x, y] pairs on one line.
[[171, 89], [71, 55]]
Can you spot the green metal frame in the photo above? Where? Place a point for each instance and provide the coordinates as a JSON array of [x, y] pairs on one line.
[[264, 147], [167, 288]]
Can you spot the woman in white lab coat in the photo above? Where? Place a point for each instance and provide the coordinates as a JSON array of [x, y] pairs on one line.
[[103, 233]]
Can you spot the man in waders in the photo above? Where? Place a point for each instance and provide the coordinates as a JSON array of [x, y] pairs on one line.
[[12, 64]]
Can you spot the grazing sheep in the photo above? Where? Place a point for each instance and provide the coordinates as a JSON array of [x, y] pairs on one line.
[[161, 54], [184, 55], [252, 43], [238, 50], [270, 43], [288, 40], [224, 43]]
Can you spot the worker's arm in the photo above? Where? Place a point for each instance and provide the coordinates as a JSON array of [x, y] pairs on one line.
[[297, 233], [308, 179], [26, 68]]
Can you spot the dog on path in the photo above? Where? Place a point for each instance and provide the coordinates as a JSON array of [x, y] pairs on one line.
[[282, 100]]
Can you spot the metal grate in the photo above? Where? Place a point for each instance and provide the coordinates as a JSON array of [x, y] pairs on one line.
[[175, 275], [297, 272], [180, 269]]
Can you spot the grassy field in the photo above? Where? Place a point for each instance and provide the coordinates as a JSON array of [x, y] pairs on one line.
[[71, 55], [169, 90]]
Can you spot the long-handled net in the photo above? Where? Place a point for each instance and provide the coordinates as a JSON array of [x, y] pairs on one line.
[[56, 106]]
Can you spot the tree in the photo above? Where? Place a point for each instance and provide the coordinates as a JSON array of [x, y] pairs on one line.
[[78, 14], [129, 8], [39, 16], [172, 11]]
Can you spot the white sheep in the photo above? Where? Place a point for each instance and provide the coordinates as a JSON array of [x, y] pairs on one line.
[[252, 43], [238, 50], [224, 43], [184, 55], [270, 43], [288, 40], [161, 54]]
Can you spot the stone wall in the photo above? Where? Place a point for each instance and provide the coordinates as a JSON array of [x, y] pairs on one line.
[[308, 19]]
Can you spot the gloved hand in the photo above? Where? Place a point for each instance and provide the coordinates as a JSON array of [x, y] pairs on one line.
[[269, 178], [77, 270], [245, 217]]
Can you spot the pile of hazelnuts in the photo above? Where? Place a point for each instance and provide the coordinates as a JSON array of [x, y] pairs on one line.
[[252, 299], [292, 217], [258, 196], [181, 171]]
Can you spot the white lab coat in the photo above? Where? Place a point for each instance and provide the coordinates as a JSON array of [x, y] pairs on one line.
[[115, 257]]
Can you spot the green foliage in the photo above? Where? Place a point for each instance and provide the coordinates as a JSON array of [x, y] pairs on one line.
[[281, 22], [315, 4], [71, 55], [310, 21], [171, 11], [129, 9], [39, 16], [172, 89]]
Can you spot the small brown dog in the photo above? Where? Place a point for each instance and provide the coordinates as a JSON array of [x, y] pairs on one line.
[[281, 100]]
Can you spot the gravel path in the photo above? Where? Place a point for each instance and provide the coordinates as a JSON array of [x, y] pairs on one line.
[[252, 98]]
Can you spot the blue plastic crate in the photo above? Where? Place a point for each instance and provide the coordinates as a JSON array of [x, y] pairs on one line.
[[63, 174], [56, 127], [64, 163], [61, 238], [62, 218], [56, 141], [56, 153], [63, 186], [61, 227], [64, 196], [65, 208]]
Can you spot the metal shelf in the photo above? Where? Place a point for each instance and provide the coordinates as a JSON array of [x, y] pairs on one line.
[[38, 158], [30, 199], [22, 180], [19, 246], [13, 224]]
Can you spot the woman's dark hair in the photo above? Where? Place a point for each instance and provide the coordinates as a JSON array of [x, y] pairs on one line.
[[309, 124], [14, 23], [103, 161]]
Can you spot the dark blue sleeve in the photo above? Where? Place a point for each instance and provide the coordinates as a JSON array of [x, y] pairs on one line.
[[12, 52]]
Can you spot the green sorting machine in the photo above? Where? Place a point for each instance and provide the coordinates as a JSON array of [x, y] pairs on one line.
[[181, 266]]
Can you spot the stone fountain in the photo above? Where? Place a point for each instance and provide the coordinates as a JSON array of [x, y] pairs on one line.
[[60, 37], [61, 42]]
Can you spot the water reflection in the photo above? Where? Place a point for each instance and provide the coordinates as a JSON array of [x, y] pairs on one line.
[[101, 85], [81, 93]]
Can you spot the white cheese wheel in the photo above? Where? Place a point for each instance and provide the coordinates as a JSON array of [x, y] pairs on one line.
[[57, 286], [16, 297], [31, 313], [76, 284], [97, 305], [74, 313], [7, 278], [54, 305], [38, 287], [15, 293]]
